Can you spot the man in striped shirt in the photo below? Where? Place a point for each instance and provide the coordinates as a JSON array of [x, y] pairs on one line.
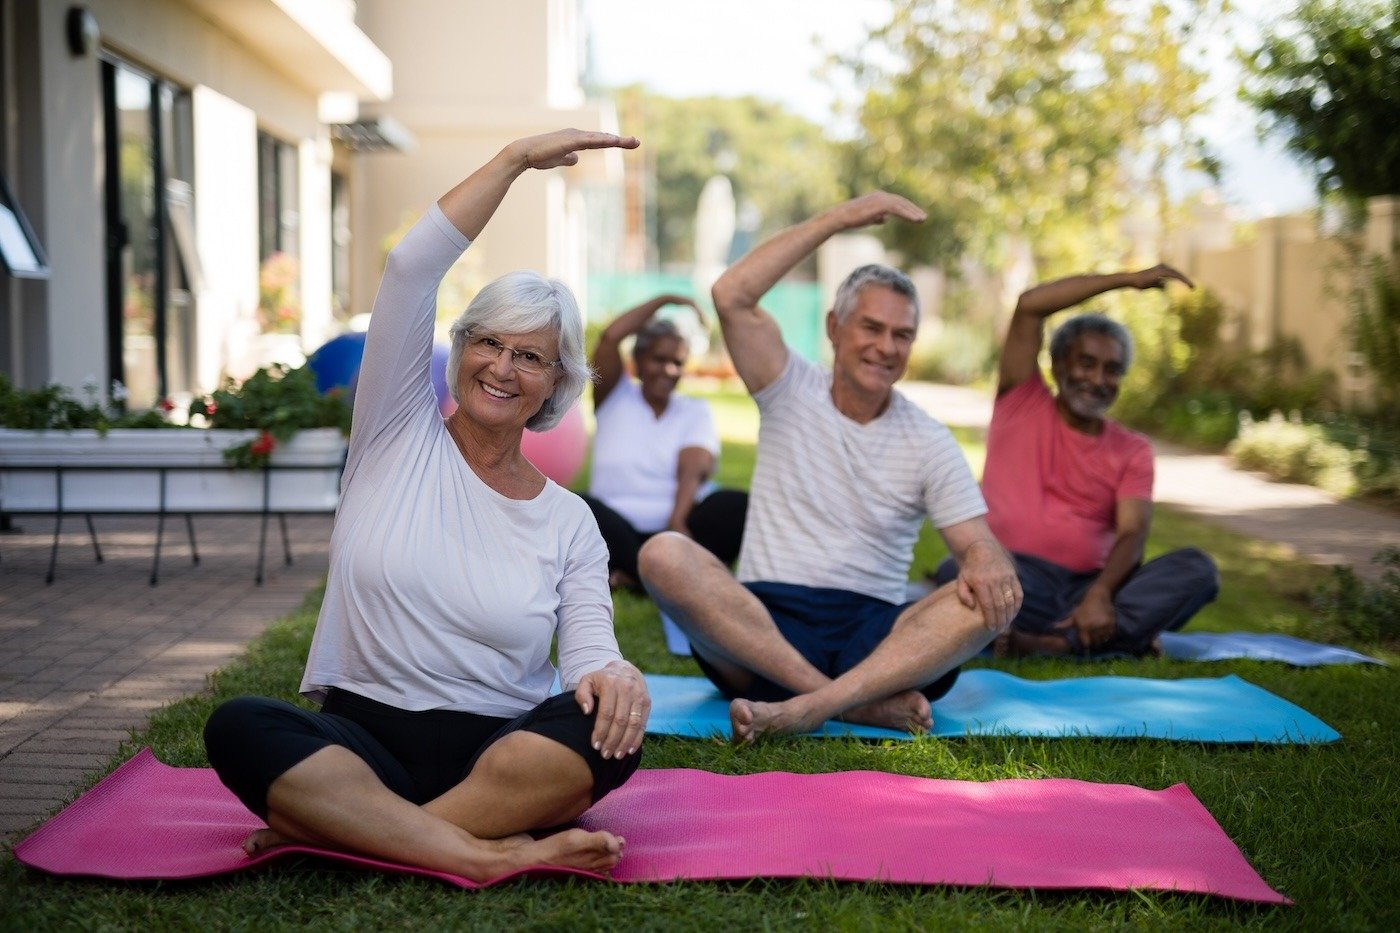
[[815, 626]]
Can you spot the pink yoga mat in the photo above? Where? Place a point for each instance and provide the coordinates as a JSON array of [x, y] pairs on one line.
[[150, 821]]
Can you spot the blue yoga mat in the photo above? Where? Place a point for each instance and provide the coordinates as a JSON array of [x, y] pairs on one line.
[[988, 702], [1224, 646]]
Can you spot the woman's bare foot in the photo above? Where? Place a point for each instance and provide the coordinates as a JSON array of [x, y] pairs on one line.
[[264, 839], [750, 720], [571, 848], [908, 711]]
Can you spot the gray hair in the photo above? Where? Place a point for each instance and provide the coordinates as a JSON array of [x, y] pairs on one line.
[[1067, 333], [517, 303], [658, 328], [884, 276]]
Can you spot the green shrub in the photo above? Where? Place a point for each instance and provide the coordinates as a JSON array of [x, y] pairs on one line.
[[1370, 611], [1297, 452], [960, 353], [1209, 420], [1375, 326]]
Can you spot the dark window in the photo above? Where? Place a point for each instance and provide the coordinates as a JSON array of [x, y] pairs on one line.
[[279, 269], [340, 246], [149, 175]]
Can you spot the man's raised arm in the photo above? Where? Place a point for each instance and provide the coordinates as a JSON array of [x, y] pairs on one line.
[[752, 336], [1026, 333]]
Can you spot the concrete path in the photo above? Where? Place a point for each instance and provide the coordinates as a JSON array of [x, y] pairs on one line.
[[1314, 524], [85, 661]]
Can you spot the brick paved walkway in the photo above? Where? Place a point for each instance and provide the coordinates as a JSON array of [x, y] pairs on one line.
[[86, 660]]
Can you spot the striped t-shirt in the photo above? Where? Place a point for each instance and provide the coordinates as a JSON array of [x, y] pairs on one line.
[[837, 504]]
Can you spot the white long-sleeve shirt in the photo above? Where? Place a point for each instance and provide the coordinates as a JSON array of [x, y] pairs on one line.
[[443, 593]]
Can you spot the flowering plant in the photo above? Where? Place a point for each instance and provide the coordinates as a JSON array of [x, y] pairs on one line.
[[277, 401]]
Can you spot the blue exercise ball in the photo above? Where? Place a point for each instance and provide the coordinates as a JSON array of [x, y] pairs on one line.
[[338, 361], [337, 365]]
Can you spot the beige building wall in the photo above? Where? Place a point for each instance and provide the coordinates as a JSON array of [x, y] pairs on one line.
[[1289, 282], [470, 76]]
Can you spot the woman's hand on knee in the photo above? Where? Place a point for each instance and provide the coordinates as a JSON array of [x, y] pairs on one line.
[[619, 694]]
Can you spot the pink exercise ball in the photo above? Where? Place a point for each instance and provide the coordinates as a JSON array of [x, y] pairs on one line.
[[558, 453]]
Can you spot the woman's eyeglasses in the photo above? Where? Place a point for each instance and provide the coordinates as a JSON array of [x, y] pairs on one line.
[[527, 361]]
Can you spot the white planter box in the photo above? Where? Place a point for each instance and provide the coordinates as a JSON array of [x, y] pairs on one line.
[[121, 471]]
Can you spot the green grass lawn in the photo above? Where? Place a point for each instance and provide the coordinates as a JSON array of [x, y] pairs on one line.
[[1319, 823]]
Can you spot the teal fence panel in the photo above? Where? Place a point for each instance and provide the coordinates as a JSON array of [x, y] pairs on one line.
[[796, 306]]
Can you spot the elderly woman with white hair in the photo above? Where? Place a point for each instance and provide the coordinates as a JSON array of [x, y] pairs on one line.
[[455, 566]]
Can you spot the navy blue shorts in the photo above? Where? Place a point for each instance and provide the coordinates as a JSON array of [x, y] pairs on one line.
[[833, 629]]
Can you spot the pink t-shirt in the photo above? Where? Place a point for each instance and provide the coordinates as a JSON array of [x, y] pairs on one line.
[[1052, 492]]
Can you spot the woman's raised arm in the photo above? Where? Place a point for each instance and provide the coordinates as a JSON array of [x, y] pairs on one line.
[[470, 205]]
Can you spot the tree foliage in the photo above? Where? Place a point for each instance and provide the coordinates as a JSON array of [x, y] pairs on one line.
[[1037, 119], [1328, 77], [778, 162]]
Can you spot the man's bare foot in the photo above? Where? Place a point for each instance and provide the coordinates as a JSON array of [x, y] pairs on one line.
[[750, 720], [908, 711], [1001, 645], [264, 839], [571, 848], [1029, 644]]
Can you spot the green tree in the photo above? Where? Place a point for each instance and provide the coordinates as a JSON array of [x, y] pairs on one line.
[[1328, 78], [777, 161], [1038, 120]]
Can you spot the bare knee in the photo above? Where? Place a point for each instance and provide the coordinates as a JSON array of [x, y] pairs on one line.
[[944, 611], [666, 555], [525, 758]]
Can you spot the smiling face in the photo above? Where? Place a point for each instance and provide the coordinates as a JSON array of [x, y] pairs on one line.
[[1088, 378], [494, 393], [659, 369], [871, 347]]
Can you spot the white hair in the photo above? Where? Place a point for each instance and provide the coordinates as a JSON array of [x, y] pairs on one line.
[[517, 303], [873, 274]]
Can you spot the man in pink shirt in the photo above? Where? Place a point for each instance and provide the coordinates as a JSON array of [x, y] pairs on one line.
[[1069, 491]]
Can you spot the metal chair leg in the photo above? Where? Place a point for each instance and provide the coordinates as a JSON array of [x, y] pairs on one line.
[[194, 548], [92, 533]]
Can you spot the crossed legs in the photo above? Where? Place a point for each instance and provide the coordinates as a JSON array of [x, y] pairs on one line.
[[478, 829], [730, 628], [335, 798]]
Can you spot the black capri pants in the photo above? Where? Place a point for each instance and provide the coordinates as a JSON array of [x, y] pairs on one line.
[[716, 523], [252, 741]]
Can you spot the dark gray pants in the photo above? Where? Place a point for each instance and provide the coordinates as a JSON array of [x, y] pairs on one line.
[[1158, 596]]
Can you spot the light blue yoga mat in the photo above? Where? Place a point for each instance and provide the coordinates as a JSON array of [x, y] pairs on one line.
[[988, 702], [1224, 646]]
